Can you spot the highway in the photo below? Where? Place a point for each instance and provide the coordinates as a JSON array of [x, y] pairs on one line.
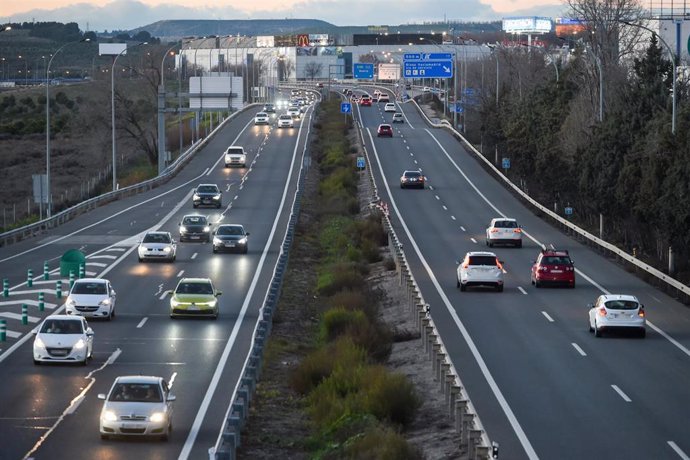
[[52, 411], [543, 386]]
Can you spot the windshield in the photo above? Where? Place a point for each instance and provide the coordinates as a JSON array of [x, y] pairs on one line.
[[194, 220], [194, 288], [207, 189], [162, 238], [483, 260], [412, 174], [89, 288], [621, 305], [136, 392], [62, 326], [230, 230], [556, 260]]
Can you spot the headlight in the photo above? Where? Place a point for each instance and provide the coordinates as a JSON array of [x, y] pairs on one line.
[[70, 302], [196, 196], [39, 343], [217, 240], [109, 416], [183, 229], [157, 417], [174, 302], [207, 229], [167, 249], [243, 240], [211, 304], [216, 197], [80, 344], [104, 303]]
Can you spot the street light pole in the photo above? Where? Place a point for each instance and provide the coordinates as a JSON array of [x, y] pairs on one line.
[[49, 201], [161, 113], [112, 104]]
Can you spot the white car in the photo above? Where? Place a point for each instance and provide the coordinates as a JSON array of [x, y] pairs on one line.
[[390, 107], [235, 156], [426, 89], [398, 118], [623, 312], [63, 338], [383, 97], [504, 230], [294, 112], [480, 269], [137, 405], [261, 118], [91, 297], [157, 246], [285, 121]]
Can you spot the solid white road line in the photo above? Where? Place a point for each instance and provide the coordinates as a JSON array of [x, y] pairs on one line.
[[498, 394], [522, 290], [579, 350], [548, 317], [621, 394], [678, 450], [142, 322]]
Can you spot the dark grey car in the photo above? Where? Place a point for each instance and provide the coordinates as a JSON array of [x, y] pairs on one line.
[[195, 227], [207, 195], [230, 237]]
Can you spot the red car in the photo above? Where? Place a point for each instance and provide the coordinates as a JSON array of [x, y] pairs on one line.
[[365, 101], [553, 267], [385, 131]]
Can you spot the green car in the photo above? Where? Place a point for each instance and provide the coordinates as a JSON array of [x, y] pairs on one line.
[[194, 297]]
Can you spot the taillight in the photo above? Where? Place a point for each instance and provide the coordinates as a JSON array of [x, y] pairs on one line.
[[517, 230], [569, 269], [465, 265], [602, 311], [494, 230], [498, 264], [543, 268], [640, 312]]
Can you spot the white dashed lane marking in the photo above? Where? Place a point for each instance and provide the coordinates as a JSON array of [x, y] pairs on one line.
[[579, 350], [548, 317], [621, 394], [520, 288], [142, 322]]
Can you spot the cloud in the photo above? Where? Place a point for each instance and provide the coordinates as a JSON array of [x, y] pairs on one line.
[[130, 14]]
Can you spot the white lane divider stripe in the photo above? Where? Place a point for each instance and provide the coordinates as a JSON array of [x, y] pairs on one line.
[[18, 316], [437, 197], [102, 256], [142, 322], [164, 295], [96, 264], [452, 217], [462, 228], [621, 394], [117, 249], [473, 240], [194, 255], [579, 350], [445, 208], [678, 450], [520, 288], [179, 275], [547, 316]]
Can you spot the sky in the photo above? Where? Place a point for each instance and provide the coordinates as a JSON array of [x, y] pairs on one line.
[[102, 15]]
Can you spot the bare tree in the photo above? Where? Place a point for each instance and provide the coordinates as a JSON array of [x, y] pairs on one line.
[[312, 69]]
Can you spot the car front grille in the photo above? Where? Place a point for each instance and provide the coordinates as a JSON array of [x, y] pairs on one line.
[[178, 311], [132, 417], [133, 430], [86, 308]]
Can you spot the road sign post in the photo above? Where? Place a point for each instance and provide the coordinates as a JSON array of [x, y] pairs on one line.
[[345, 109], [505, 164], [361, 163]]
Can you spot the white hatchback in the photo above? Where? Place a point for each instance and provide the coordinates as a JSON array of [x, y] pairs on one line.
[[390, 107], [480, 269], [503, 230], [285, 121], [157, 246], [63, 338], [622, 312], [261, 118], [294, 112], [91, 297], [137, 405]]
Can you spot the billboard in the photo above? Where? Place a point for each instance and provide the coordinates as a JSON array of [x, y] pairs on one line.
[[209, 93], [527, 24], [111, 49], [389, 72], [265, 41], [318, 39], [303, 40], [285, 40], [566, 26]]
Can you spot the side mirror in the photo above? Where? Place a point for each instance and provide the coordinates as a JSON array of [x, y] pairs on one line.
[[89, 332], [171, 397], [113, 293], [247, 234], [218, 293], [101, 395]]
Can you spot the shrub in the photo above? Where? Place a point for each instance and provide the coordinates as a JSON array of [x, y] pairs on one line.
[[337, 277], [391, 397], [338, 321], [352, 299], [370, 252], [381, 443]]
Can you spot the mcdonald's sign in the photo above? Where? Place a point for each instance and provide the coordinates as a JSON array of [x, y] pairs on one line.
[[303, 40]]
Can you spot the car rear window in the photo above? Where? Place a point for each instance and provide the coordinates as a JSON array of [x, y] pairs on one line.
[[235, 150], [89, 288], [621, 305], [483, 260], [556, 260], [412, 174], [505, 224]]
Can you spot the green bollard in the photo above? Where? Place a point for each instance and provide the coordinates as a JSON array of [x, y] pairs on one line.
[[5, 287], [29, 277], [25, 315], [82, 271], [41, 301], [46, 272], [3, 330], [71, 278], [58, 289]]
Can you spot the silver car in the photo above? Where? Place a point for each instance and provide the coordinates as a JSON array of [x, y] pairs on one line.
[[63, 338], [137, 405], [91, 297], [480, 269], [261, 118], [285, 121], [621, 312], [157, 246]]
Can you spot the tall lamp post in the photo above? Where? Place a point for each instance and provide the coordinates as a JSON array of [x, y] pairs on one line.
[[161, 112], [112, 103], [49, 201], [673, 62]]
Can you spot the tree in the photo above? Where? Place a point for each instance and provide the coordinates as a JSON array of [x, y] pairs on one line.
[[312, 69]]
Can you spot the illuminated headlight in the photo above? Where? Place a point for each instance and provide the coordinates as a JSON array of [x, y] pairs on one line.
[[39, 343], [243, 240], [104, 303], [174, 302], [217, 241], [167, 249], [216, 197], [157, 417], [109, 416], [207, 229], [80, 344], [211, 304], [183, 229], [70, 302], [196, 196]]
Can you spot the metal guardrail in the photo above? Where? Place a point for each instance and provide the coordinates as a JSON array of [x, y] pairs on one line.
[[60, 218], [661, 276], [238, 411]]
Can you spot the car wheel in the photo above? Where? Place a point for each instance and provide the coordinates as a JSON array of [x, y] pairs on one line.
[[173, 258], [245, 250], [37, 362], [643, 333], [490, 244], [463, 288], [110, 316], [572, 286], [215, 251], [218, 206], [140, 260], [104, 437], [173, 317], [519, 244], [598, 332], [499, 288], [85, 361], [589, 324], [457, 283], [537, 284], [195, 206], [208, 239]]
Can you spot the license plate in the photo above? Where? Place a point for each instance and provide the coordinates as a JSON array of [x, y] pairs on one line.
[[556, 271], [194, 237], [59, 353], [134, 426], [207, 200], [193, 307], [230, 245]]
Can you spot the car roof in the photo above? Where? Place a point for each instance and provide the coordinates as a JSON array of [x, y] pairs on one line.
[[157, 233], [138, 379], [65, 317], [504, 219], [555, 252], [608, 297], [91, 280], [481, 253], [207, 185], [397, 113], [384, 125], [193, 215], [412, 171], [261, 113], [231, 225], [195, 280]]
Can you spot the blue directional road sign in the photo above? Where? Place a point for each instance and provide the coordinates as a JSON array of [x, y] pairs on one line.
[[457, 108], [363, 71], [568, 211], [505, 164], [360, 162], [428, 65], [345, 107]]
